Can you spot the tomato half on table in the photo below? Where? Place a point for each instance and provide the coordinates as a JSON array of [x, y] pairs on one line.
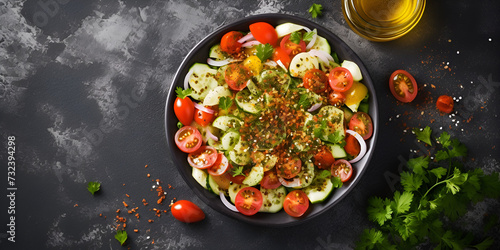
[[281, 55], [264, 33], [220, 166], [296, 203], [248, 200], [188, 139], [292, 48], [229, 42], [270, 180], [288, 167], [203, 118], [186, 211], [237, 76], [340, 79], [362, 124], [403, 86], [203, 158], [315, 80], [342, 169], [445, 104], [323, 159]]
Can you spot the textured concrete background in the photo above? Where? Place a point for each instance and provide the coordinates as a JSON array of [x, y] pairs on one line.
[[83, 86]]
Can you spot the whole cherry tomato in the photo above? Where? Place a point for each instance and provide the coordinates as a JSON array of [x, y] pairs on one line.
[[445, 104], [187, 211]]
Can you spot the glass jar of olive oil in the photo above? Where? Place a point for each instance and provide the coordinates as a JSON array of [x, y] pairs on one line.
[[382, 20]]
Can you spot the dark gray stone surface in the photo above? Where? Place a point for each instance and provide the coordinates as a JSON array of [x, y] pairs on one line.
[[83, 86]]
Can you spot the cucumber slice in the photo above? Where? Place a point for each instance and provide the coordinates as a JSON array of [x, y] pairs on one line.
[[354, 69], [273, 199], [322, 44], [203, 130], [301, 63], [338, 151], [215, 94], [230, 139], [274, 79], [347, 114], [255, 176], [225, 123], [307, 175], [248, 102], [234, 189], [216, 53], [202, 80], [334, 118], [200, 176], [287, 28], [240, 154], [319, 189], [214, 186]]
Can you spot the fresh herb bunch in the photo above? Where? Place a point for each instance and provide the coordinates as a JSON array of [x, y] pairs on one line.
[[432, 190]]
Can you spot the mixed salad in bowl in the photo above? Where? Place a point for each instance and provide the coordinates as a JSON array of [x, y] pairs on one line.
[[273, 120]]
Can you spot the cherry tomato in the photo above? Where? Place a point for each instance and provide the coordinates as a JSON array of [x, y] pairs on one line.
[[270, 180], [403, 86], [315, 80], [264, 33], [292, 48], [288, 167], [248, 200], [340, 79], [203, 158], [222, 180], [361, 122], [184, 110], [220, 166], [229, 42], [323, 159], [280, 54], [445, 104], [188, 139], [203, 118], [187, 211], [343, 169], [336, 98], [352, 146], [237, 76], [238, 179], [296, 203]]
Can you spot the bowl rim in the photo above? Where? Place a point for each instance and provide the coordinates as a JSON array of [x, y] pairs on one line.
[[212, 200]]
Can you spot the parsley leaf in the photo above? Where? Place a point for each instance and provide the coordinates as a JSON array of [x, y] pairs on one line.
[[309, 35], [304, 101], [444, 139], [438, 172], [424, 135], [93, 187], [316, 10], [337, 183], [379, 211], [225, 102], [324, 174], [402, 201], [121, 236], [264, 51], [335, 138], [410, 181], [419, 164], [295, 37], [238, 171], [183, 93]]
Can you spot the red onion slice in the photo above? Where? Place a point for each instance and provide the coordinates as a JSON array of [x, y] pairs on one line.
[[320, 54], [186, 79], [212, 136], [295, 182], [202, 108], [282, 65], [362, 143], [247, 37], [314, 107], [227, 203], [216, 63], [250, 44]]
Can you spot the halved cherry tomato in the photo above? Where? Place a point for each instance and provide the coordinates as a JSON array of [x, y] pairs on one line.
[[222, 180], [292, 48], [248, 200], [296, 203], [184, 110], [237, 76], [203, 118], [340, 79], [315, 80], [288, 167], [336, 98], [352, 146], [220, 166], [203, 158], [403, 86], [187, 211], [281, 55], [445, 104], [343, 169], [188, 139], [270, 180], [229, 42], [264, 33], [238, 179], [323, 159], [361, 122]]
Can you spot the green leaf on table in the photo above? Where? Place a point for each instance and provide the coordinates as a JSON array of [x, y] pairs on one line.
[[378, 210], [316, 10], [93, 187], [424, 135], [402, 201], [419, 165], [121, 236], [444, 139], [410, 181], [458, 149], [441, 155], [439, 172]]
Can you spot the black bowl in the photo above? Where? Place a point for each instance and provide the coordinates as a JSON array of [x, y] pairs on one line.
[[200, 54]]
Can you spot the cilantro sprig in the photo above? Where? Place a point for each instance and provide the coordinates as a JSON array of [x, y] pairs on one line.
[[121, 236], [297, 36], [431, 190], [93, 187], [264, 51], [238, 171], [183, 93], [316, 10], [225, 102]]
